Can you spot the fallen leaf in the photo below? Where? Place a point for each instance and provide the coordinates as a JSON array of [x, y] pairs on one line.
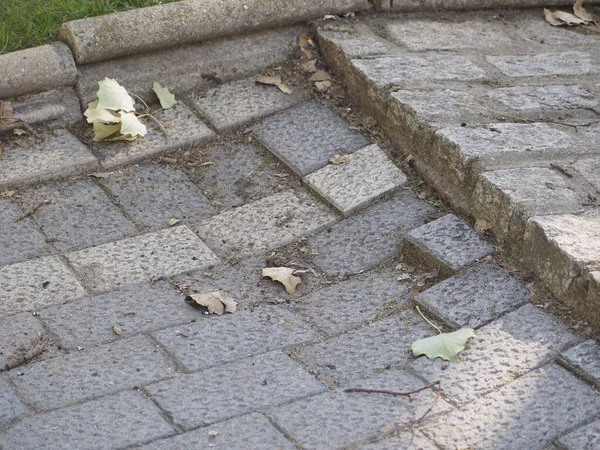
[[320, 75], [552, 19], [404, 277], [569, 18], [94, 115], [305, 41], [173, 222], [285, 276], [217, 302], [330, 17], [581, 12], [309, 66], [207, 163], [339, 159], [116, 329], [284, 88], [6, 110], [131, 125], [482, 225], [104, 131], [112, 95], [444, 345], [166, 99], [19, 132], [271, 81], [323, 85], [100, 174]]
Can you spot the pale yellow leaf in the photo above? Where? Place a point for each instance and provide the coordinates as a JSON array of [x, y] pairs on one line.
[[581, 12], [104, 131], [112, 95], [285, 276], [271, 81], [284, 88], [166, 99], [130, 124], [93, 114], [216, 302]]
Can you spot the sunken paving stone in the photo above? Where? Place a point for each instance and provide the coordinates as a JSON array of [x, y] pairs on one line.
[[338, 419], [217, 340], [545, 64], [18, 240], [584, 438], [133, 309], [500, 352], [142, 258], [76, 215], [35, 284], [522, 98], [446, 244], [367, 175], [59, 155], [249, 432], [101, 424], [585, 360], [233, 389], [233, 104], [306, 137], [90, 373], [22, 337], [263, 225], [12, 407], [153, 195], [369, 237], [404, 440], [363, 352], [529, 413]]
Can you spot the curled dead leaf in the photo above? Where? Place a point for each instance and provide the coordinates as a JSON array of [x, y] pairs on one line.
[[285, 276], [284, 88], [216, 302], [305, 41], [552, 19], [320, 75], [581, 12], [323, 85], [339, 159], [173, 222], [269, 80], [309, 66]]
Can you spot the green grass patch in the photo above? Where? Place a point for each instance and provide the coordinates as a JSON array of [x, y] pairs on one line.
[[29, 23]]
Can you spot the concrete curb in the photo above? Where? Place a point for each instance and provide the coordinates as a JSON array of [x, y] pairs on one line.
[[463, 5]]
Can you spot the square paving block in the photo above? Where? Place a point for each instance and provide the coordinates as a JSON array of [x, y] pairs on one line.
[[585, 360], [545, 64], [22, 337], [584, 438]]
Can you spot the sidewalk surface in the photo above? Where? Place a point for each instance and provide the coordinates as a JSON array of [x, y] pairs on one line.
[[99, 349]]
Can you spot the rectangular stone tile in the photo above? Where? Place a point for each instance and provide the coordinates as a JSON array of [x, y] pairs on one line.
[[110, 422], [528, 413], [305, 137], [133, 309], [367, 175], [545, 64], [500, 352], [355, 40], [251, 432], [584, 438], [523, 98], [92, 372], [233, 389], [59, 155], [263, 225], [338, 419], [36, 284], [22, 337], [584, 359], [212, 341], [54, 108], [406, 440], [12, 407], [589, 169], [142, 258], [474, 297]]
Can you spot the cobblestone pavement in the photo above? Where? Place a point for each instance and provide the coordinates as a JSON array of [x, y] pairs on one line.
[[98, 348]]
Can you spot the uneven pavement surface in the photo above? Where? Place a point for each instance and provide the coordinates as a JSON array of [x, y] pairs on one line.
[[99, 349]]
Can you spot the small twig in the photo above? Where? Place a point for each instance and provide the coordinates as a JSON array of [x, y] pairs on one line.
[[31, 211], [393, 393], [437, 397], [561, 169], [141, 100], [427, 320], [159, 125]]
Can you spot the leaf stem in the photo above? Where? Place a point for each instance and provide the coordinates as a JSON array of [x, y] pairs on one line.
[[427, 320]]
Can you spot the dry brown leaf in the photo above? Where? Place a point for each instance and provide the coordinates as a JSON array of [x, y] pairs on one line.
[[271, 81], [284, 88], [568, 18], [173, 222], [320, 75], [322, 85], [285, 276], [216, 302], [309, 66], [581, 12], [482, 225], [339, 159], [337, 91], [305, 41], [552, 19]]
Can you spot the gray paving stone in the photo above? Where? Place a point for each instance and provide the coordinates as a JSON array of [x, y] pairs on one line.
[[438, 105], [522, 98], [585, 359], [212, 341], [132, 309], [305, 137], [142, 258], [233, 389], [18, 240], [338, 419], [249, 432], [22, 337], [12, 407], [536, 31], [91, 373], [474, 297], [111, 422], [545, 64], [263, 225], [590, 170], [235, 103], [355, 40], [371, 236], [153, 195], [35, 284], [584, 438], [59, 155], [352, 185], [54, 108], [528, 413], [500, 352], [406, 440], [362, 352], [447, 244], [76, 215]]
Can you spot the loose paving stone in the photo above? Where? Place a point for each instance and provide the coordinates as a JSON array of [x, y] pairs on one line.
[[59, 155], [545, 64], [22, 337], [338, 419], [306, 137], [584, 359], [590, 170], [76, 215], [522, 98], [446, 244], [132, 309], [367, 175], [371, 236], [212, 341], [233, 389], [500, 352], [99, 424], [90, 373], [12, 407], [360, 353], [474, 297], [235, 103], [18, 240], [263, 225], [153, 195], [142, 258], [408, 440], [35, 284], [528, 413], [250, 432], [584, 438]]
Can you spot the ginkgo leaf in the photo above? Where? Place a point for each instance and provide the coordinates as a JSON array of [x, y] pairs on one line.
[[93, 114], [285, 276], [112, 95], [444, 345], [581, 12], [103, 131], [130, 124], [166, 99], [216, 302]]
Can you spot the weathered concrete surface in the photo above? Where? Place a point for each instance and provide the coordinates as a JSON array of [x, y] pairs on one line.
[[56, 107], [439, 5], [22, 337], [584, 359]]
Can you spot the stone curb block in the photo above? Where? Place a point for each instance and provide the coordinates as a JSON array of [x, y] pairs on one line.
[[437, 5]]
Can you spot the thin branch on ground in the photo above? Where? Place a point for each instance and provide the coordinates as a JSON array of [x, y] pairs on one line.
[[394, 393]]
